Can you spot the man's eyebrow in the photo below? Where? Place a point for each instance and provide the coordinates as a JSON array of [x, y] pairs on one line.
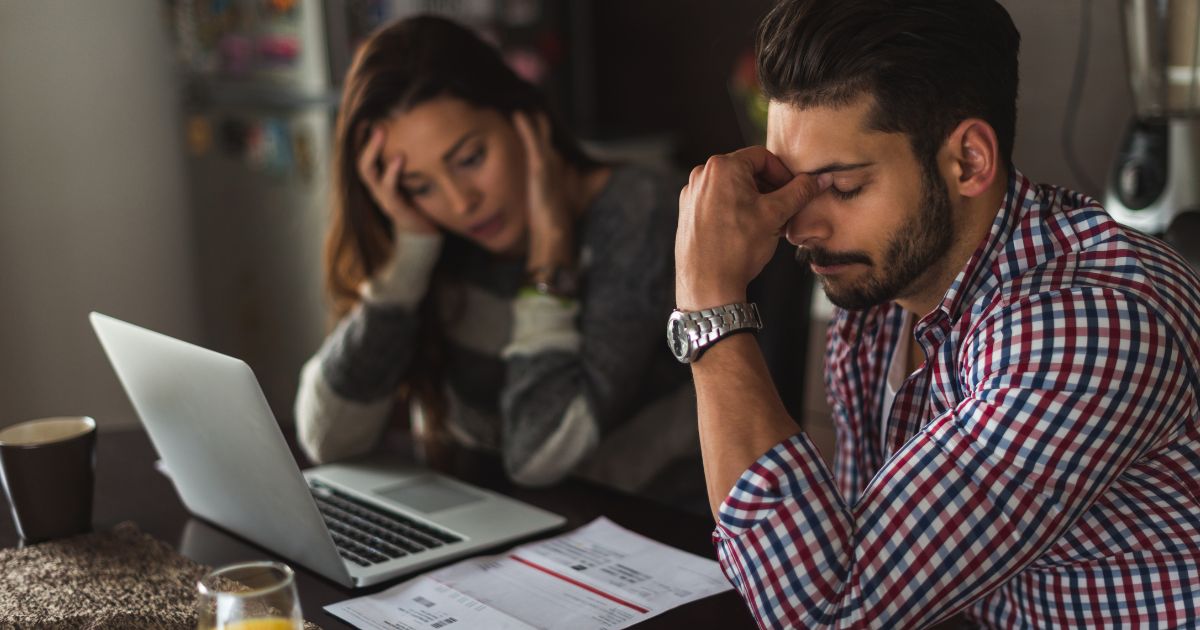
[[838, 167]]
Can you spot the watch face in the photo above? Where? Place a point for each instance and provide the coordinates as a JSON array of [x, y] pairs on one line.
[[676, 338]]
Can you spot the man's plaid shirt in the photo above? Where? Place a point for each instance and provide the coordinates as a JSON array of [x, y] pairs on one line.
[[1041, 469]]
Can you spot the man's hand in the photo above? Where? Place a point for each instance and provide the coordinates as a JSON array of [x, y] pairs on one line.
[[730, 216]]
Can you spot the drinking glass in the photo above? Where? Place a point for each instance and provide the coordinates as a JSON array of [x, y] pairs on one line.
[[249, 596]]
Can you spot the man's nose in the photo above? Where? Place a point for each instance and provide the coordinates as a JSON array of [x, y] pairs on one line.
[[807, 225]]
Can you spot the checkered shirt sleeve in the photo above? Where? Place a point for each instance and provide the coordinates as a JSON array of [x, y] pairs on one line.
[[1061, 392]]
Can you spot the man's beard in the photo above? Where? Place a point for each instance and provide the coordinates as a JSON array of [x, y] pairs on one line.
[[909, 254]]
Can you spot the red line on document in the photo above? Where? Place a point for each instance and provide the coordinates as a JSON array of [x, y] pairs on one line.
[[580, 584]]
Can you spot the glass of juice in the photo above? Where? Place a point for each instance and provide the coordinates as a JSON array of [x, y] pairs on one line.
[[249, 596]]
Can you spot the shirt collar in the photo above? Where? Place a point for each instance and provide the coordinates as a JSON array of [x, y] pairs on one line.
[[984, 270]]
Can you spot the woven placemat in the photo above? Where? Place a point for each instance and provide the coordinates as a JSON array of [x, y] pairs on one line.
[[118, 579]]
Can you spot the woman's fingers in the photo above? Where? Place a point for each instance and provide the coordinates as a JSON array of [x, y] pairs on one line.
[[367, 160], [528, 138], [391, 176], [544, 133]]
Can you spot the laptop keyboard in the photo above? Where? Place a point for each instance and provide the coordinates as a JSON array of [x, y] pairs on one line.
[[366, 534]]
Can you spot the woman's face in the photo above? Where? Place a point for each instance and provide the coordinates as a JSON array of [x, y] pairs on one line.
[[464, 168]]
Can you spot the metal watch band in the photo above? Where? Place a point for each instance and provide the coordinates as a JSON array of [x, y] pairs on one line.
[[704, 328]]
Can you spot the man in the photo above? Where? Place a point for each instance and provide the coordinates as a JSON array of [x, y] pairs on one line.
[[1012, 374]]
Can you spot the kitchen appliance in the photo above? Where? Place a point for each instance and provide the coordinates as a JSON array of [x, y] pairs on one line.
[[1154, 185]]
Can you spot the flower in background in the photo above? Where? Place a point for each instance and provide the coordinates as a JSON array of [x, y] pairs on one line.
[[749, 103]]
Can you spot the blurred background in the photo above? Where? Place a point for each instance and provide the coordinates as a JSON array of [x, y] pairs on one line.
[[167, 162]]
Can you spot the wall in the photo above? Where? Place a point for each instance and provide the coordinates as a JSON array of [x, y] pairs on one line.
[[92, 209], [663, 66], [1050, 31]]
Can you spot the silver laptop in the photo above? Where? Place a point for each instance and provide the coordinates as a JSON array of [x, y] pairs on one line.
[[357, 523]]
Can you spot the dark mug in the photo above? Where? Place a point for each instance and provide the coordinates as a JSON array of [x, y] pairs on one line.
[[47, 469]]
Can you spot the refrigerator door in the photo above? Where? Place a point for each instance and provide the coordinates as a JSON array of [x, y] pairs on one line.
[[260, 198], [259, 109]]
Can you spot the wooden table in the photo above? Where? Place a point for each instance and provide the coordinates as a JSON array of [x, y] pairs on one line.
[[128, 488]]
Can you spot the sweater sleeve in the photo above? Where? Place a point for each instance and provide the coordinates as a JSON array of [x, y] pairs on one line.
[[345, 392], [576, 369]]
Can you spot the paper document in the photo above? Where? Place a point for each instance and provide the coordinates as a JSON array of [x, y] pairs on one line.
[[600, 576]]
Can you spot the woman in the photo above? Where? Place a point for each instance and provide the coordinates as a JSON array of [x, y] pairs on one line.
[[490, 277]]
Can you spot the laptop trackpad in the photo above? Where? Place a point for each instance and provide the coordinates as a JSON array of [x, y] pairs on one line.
[[428, 494]]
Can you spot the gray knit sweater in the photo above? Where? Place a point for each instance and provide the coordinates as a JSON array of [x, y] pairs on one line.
[[585, 386]]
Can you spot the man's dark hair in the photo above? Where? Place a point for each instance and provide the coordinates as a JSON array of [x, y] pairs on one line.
[[929, 64]]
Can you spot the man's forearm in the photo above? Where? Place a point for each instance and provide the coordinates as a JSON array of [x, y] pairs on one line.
[[740, 413], [728, 230]]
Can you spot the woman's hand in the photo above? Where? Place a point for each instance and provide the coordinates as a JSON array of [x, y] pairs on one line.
[[551, 211], [383, 186]]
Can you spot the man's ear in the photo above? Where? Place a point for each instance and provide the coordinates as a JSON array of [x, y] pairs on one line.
[[973, 153]]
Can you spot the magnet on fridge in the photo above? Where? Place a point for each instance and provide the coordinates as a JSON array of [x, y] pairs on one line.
[[268, 147], [302, 152], [280, 6], [256, 146], [199, 135], [237, 53], [278, 49], [278, 147]]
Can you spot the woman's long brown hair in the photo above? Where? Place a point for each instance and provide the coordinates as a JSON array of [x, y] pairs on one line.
[[399, 67]]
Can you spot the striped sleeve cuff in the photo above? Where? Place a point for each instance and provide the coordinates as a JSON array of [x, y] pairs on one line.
[[330, 427], [789, 470], [405, 278], [542, 323]]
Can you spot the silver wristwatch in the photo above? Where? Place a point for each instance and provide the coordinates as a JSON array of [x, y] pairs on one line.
[[690, 333]]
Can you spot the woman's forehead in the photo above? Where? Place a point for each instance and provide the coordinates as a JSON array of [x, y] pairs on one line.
[[428, 131]]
